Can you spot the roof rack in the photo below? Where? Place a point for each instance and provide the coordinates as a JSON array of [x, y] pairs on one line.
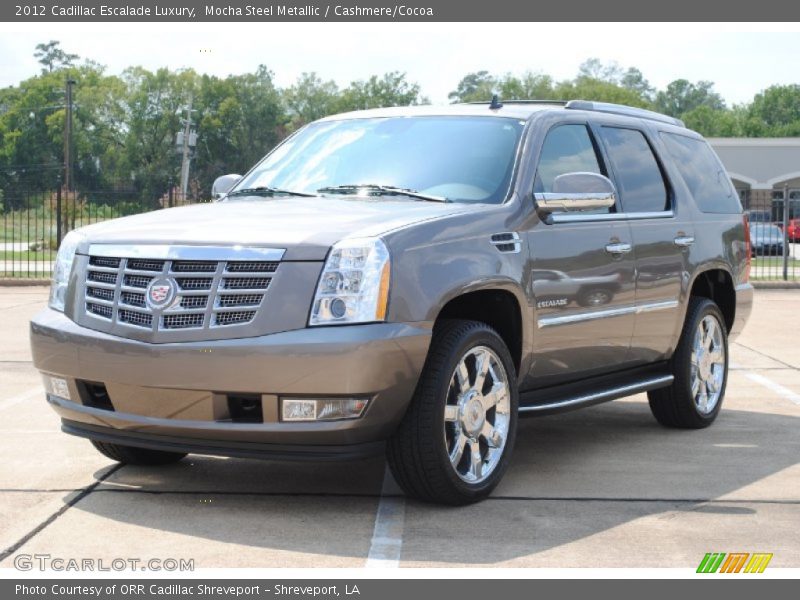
[[621, 109]]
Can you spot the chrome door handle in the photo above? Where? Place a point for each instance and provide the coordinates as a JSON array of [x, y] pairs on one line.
[[684, 241], [618, 248]]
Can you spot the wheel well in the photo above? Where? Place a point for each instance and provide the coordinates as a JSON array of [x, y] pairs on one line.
[[499, 309], [717, 285]]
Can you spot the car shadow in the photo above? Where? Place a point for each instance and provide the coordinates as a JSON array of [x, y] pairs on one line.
[[572, 476]]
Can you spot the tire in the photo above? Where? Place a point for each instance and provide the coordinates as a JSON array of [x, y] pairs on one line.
[[677, 405], [445, 416], [130, 455]]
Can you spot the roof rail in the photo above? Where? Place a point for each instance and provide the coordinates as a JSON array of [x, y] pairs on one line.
[[621, 109], [561, 102]]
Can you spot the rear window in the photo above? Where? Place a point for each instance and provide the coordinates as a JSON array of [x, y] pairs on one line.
[[703, 174]]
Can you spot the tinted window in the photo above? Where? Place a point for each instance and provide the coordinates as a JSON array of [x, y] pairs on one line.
[[641, 186], [465, 159], [566, 149], [703, 173]]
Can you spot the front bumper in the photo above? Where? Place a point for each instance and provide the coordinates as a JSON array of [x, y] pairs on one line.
[[175, 395]]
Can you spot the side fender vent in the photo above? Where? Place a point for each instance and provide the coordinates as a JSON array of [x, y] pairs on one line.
[[507, 242]]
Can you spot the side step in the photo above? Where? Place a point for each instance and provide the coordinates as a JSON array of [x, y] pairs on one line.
[[557, 405]]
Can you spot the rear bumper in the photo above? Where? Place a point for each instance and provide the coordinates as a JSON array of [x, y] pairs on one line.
[[744, 306], [177, 394]]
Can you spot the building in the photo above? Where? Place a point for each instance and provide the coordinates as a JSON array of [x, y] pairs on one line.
[[761, 170]]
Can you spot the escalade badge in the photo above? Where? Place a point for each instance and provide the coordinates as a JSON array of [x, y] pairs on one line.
[[160, 292]]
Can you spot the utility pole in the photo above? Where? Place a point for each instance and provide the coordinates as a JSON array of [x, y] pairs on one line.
[[68, 136], [187, 139]]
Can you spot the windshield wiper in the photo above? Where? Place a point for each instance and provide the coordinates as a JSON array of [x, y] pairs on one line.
[[267, 191], [380, 190]]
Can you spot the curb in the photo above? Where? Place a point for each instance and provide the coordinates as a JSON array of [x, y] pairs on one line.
[[24, 282], [776, 285]]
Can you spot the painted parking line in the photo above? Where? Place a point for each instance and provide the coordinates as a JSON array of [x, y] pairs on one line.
[[14, 400], [782, 391], [387, 537]]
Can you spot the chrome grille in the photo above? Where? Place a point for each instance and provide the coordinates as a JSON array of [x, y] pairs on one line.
[[132, 299], [101, 310], [183, 321], [194, 301], [138, 264], [136, 281], [103, 277], [240, 300], [100, 293], [195, 283], [206, 293], [194, 266], [235, 317], [251, 267], [134, 317], [245, 283]]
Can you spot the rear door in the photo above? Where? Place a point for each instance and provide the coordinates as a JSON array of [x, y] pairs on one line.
[[662, 235], [582, 278]]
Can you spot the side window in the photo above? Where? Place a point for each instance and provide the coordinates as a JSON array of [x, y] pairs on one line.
[[703, 174], [566, 149], [641, 185]]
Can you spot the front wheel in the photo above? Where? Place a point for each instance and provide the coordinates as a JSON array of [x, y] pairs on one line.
[[700, 368], [454, 443]]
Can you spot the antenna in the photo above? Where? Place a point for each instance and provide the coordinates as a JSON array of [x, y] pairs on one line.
[[495, 103]]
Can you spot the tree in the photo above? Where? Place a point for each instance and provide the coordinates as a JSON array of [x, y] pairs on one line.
[[681, 96], [52, 57], [593, 68], [633, 79], [584, 88], [240, 119], [376, 92], [310, 98], [531, 86], [154, 102], [474, 87], [776, 112]]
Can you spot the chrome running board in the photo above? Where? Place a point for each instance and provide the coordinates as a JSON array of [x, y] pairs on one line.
[[612, 393]]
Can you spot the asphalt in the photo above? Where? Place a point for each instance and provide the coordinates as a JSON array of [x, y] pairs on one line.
[[600, 487]]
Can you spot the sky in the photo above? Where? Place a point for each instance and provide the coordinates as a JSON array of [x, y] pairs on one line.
[[741, 59]]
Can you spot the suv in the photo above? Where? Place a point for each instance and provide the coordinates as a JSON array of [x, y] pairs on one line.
[[413, 279]]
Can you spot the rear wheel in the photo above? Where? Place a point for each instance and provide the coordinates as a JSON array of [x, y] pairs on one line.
[[130, 455], [700, 368], [454, 444]]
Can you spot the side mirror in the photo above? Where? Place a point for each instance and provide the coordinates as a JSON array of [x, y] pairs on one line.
[[223, 185], [574, 192]]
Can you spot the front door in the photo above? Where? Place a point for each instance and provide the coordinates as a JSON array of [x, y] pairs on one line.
[[582, 282]]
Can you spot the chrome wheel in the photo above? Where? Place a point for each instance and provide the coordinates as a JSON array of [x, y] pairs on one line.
[[708, 364], [477, 414]]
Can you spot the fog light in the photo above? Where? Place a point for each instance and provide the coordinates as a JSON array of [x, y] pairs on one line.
[[56, 386], [322, 409]]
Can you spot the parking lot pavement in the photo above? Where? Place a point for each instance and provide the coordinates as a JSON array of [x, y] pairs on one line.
[[604, 486]]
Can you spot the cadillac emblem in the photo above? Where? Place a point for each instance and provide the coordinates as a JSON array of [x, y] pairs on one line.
[[159, 293]]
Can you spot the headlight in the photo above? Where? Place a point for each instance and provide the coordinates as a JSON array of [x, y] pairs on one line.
[[62, 268], [354, 284]]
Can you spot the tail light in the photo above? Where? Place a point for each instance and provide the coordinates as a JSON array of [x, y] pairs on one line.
[[748, 250]]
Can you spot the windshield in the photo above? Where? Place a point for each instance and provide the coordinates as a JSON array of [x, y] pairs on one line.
[[461, 159]]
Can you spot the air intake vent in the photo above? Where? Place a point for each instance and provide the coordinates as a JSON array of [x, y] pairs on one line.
[[507, 242]]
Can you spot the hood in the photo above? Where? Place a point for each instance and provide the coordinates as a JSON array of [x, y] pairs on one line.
[[305, 227]]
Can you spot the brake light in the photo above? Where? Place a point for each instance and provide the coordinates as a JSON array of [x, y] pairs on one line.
[[748, 250]]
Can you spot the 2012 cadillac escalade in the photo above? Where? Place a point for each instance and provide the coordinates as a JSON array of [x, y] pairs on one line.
[[408, 278]]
